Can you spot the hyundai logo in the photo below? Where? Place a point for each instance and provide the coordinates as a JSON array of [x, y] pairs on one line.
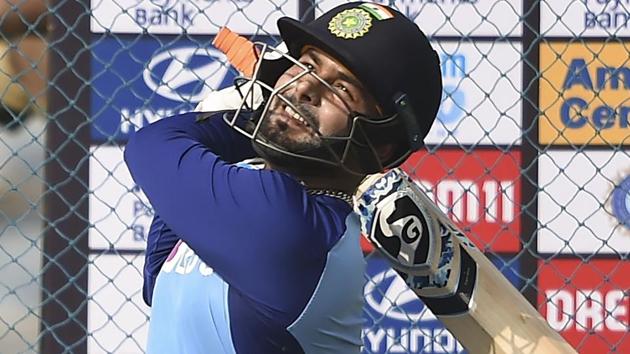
[[387, 294], [186, 74]]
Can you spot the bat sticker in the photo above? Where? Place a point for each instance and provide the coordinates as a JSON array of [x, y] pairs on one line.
[[421, 243], [406, 220]]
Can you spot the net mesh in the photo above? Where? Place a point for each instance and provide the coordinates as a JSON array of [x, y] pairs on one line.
[[529, 156]]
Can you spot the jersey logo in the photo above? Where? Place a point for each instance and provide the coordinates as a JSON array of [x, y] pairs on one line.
[[184, 261]]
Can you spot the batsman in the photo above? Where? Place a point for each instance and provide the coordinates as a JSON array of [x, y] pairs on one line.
[[255, 244]]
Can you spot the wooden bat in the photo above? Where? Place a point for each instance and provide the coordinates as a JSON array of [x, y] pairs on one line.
[[476, 303]]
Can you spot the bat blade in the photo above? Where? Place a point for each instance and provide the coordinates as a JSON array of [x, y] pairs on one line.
[[477, 304]]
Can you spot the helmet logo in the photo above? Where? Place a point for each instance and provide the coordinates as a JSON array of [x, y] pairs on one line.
[[350, 24]]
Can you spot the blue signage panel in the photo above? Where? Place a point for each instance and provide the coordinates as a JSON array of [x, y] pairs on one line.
[[510, 266], [396, 321], [138, 80]]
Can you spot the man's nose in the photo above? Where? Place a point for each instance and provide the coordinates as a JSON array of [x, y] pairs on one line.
[[308, 90]]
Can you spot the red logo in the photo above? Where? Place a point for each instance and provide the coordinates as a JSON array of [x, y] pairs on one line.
[[478, 190], [587, 302]]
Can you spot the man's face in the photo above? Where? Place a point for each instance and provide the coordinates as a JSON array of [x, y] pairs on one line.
[[328, 111]]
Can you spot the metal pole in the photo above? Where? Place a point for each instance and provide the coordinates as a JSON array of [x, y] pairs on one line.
[[530, 148], [306, 10], [65, 245]]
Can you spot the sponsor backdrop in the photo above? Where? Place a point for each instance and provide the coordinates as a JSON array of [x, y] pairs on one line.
[[584, 206], [583, 172], [585, 97], [530, 156], [161, 77], [474, 167], [587, 18], [157, 72], [479, 191], [587, 302]]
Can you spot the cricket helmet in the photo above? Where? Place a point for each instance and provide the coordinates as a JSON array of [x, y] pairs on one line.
[[391, 57]]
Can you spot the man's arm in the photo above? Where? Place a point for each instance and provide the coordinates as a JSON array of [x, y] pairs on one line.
[[248, 225], [161, 239], [160, 242]]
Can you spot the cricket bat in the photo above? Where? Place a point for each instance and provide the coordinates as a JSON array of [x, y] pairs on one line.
[[476, 303]]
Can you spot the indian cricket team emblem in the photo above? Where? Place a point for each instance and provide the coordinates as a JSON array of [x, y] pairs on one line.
[[620, 202], [350, 24]]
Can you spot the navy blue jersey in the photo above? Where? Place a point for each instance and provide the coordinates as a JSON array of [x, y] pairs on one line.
[[242, 260]]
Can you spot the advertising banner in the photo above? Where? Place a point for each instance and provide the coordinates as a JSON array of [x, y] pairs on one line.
[[584, 93], [587, 302], [481, 99], [120, 214], [397, 322], [480, 191], [189, 16], [585, 18], [584, 202], [136, 82]]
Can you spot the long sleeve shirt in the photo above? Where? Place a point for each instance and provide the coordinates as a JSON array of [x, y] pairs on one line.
[[242, 260]]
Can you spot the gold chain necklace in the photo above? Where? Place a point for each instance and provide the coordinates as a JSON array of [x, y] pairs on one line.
[[331, 193], [259, 163]]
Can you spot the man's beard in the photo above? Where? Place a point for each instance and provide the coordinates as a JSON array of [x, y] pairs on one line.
[[274, 132]]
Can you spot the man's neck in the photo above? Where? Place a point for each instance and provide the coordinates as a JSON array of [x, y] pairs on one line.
[[339, 180]]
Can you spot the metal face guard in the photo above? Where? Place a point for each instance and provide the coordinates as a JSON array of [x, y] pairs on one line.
[[336, 151]]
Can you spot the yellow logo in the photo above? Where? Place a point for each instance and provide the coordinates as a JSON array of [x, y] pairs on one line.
[[350, 24], [584, 94]]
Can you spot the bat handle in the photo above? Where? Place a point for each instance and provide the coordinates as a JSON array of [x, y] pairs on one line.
[[240, 51]]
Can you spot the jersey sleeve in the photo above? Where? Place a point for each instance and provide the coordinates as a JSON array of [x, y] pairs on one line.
[[160, 242], [246, 224]]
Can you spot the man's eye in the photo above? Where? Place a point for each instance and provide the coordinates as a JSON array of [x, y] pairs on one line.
[[309, 66], [343, 89]]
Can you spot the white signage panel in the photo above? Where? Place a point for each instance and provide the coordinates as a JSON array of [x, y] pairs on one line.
[[118, 318], [481, 99], [585, 18], [189, 16], [584, 202], [120, 213]]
